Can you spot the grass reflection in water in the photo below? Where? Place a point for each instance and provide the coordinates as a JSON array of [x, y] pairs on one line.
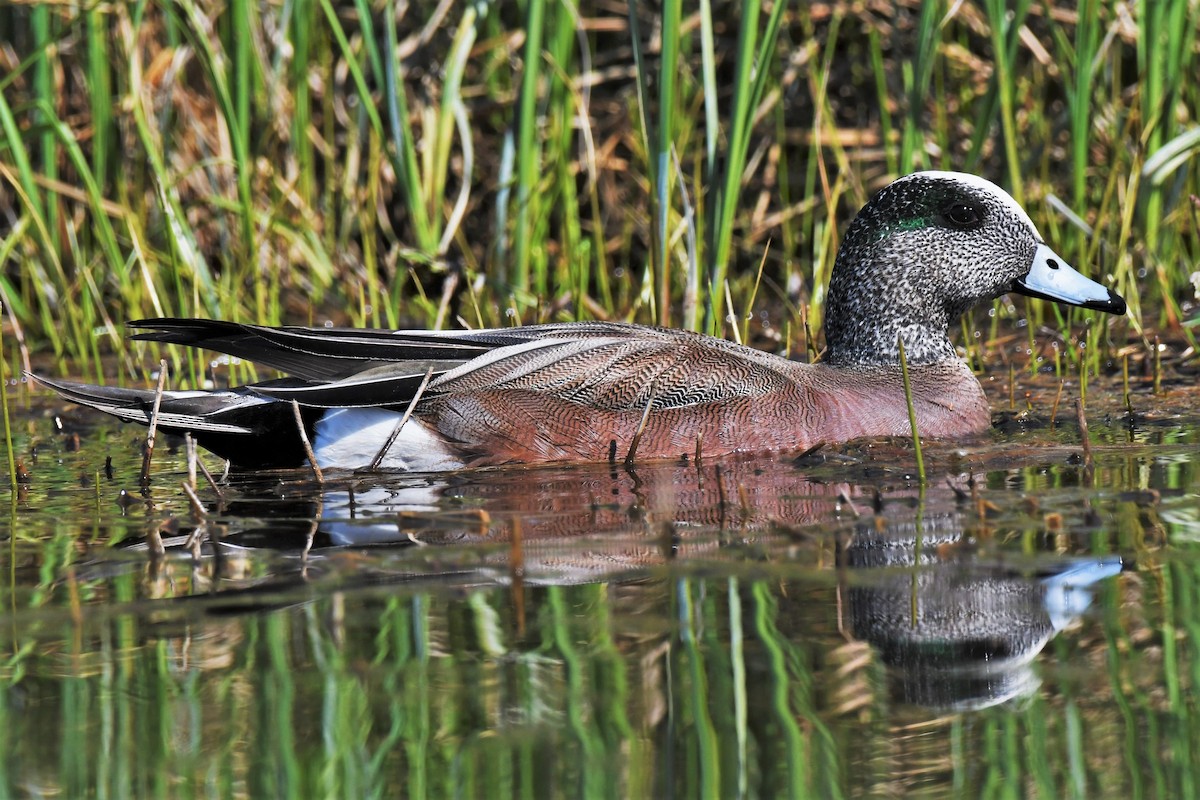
[[741, 627]]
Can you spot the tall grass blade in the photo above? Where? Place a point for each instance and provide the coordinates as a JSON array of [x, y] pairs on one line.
[[404, 156], [528, 152], [917, 75], [661, 155], [8, 440], [912, 414], [195, 28], [750, 71], [45, 95]]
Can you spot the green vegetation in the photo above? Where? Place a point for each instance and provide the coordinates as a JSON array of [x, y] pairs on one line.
[[383, 163], [726, 668]]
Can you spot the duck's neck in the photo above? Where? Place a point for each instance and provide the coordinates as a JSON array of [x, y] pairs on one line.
[[865, 319], [875, 344]]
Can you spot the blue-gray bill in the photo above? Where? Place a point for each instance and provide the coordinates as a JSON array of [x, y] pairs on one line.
[[1051, 278]]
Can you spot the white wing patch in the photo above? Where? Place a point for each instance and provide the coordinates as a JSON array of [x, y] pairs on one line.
[[349, 438]]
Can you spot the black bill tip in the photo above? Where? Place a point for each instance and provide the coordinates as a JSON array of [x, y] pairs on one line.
[[1115, 304]]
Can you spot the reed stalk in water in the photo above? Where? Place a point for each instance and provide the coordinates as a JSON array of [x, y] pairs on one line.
[[912, 414]]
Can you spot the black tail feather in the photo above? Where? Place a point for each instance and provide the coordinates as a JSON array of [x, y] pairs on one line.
[[252, 431]]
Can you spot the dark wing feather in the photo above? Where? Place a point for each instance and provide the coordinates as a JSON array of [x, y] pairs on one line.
[[602, 365], [394, 387], [326, 353]]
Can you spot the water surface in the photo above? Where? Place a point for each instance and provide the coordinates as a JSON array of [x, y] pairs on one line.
[[818, 626]]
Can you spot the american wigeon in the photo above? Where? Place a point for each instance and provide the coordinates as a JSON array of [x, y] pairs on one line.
[[923, 250]]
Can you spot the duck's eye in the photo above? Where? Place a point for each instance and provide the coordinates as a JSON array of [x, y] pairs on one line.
[[961, 215]]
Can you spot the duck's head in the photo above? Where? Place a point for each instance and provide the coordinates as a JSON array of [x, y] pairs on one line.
[[925, 249]]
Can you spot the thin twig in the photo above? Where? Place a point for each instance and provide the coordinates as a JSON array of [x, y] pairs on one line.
[[208, 476], [189, 446], [194, 539], [153, 432], [214, 541], [198, 509], [395, 434], [18, 331], [810, 347], [312, 533], [1054, 408], [1157, 366], [845, 500], [1125, 386], [744, 500], [637, 437], [1088, 464], [721, 502], [448, 288], [737, 334], [516, 567], [154, 544], [312, 457]]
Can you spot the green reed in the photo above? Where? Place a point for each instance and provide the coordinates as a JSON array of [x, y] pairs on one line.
[[412, 168], [918, 73], [8, 438], [912, 414], [333, 686], [528, 153]]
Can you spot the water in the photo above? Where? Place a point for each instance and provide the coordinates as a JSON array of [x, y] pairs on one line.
[[1027, 624]]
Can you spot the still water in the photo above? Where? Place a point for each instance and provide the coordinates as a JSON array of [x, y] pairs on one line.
[[1026, 624]]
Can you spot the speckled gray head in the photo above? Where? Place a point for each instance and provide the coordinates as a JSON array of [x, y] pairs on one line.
[[925, 249]]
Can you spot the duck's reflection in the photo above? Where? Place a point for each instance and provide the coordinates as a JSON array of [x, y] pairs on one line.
[[956, 624], [957, 629]]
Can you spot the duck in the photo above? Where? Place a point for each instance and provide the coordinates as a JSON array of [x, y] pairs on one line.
[[924, 249]]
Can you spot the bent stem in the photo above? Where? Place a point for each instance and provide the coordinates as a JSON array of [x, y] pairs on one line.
[[152, 433], [395, 434], [912, 414], [8, 442], [308, 449]]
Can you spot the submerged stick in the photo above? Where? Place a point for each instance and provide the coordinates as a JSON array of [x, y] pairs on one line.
[[308, 451], [721, 502], [395, 434], [1125, 385], [152, 434], [208, 476], [516, 571], [1088, 464], [1054, 408], [1083, 380], [637, 436], [1157, 366], [189, 445], [198, 509], [912, 414]]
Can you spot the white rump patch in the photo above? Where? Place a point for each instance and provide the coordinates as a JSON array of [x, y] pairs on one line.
[[349, 438]]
